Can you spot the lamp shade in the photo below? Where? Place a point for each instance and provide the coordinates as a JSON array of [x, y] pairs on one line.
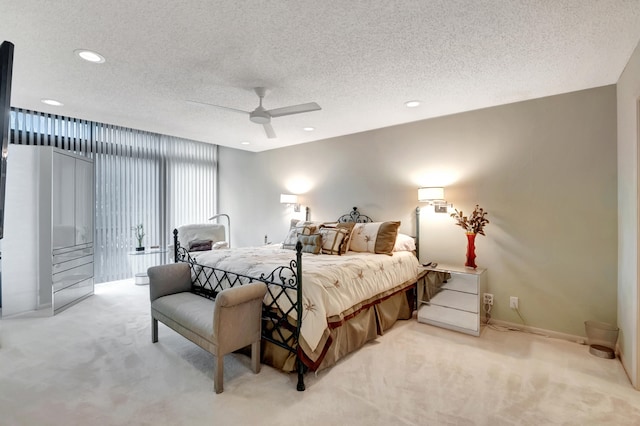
[[288, 199], [430, 194]]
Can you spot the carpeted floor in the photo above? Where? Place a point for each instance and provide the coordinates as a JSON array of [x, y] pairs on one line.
[[94, 364]]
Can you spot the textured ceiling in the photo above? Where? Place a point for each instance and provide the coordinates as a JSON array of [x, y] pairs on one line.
[[360, 60]]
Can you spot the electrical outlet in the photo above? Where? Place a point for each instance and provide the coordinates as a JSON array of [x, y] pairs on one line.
[[513, 302], [488, 299]]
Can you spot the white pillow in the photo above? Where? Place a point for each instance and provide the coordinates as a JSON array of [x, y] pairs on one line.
[[404, 243], [220, 245]]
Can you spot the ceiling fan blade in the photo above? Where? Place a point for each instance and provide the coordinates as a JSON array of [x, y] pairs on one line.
[[269, 131], [294, 109], [217, 106]]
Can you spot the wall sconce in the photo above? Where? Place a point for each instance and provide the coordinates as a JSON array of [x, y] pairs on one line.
[[433, 196], [291, 200]]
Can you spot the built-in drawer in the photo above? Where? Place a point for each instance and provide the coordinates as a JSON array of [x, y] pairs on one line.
[[466, 283], [67, 256], [456, 299], [72, 276], [67, 296], [71, 264]]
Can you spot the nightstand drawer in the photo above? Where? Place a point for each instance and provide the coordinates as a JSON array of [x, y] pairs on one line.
[[462, 282], [449, 318], [456, 299]]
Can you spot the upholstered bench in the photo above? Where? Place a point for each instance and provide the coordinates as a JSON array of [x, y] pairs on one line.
[[220, 326]]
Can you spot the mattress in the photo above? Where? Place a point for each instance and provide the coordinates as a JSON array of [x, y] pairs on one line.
[[333, 287]]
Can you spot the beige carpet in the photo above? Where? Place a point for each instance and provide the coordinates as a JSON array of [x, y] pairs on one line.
[[94, 364]]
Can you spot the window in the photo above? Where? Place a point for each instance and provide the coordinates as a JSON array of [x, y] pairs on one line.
[[143, 178]]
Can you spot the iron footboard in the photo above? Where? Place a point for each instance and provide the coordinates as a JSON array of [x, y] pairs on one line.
[[282, 302]]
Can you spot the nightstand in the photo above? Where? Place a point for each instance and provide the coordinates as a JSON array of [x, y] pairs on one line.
[[451, 297], [140, 262]]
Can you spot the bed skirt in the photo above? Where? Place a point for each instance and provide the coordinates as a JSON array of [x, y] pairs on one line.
[[347, 336]]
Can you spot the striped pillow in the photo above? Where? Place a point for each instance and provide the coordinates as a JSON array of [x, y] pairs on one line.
[[332, 239]]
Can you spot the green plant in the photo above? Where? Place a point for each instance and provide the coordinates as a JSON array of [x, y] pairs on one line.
[[138, 231], [475, 223]]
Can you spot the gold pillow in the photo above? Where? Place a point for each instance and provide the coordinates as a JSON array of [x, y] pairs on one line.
[[374, 237]]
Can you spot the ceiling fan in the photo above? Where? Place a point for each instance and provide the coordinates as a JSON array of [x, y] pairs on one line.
[[263, 116]]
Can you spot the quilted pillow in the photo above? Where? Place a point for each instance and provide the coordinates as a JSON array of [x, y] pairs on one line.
[[311, 243], [374, 237], [295, 231], [332, 239]]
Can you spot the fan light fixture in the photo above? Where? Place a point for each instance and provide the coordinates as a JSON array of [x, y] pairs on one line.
[[90, 56], [263, 116]]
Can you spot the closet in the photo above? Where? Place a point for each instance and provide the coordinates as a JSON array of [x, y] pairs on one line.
[[49, 230]]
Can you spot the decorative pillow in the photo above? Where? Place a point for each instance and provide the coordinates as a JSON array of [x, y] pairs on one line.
[[347, 226], [374, 237], [404, 243], [294, 222], [308, 223], [200, 245], [332, 239], [311, 243], [200, 231], [292, 237]]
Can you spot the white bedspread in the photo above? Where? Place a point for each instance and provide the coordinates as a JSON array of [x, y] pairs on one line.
[[331, 285]]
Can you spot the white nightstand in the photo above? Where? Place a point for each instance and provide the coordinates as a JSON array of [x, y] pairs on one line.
[[455, 304]]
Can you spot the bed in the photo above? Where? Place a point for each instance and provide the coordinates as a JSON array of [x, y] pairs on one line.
[[319, 307]]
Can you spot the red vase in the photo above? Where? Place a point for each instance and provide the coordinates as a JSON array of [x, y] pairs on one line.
[[471, 251]]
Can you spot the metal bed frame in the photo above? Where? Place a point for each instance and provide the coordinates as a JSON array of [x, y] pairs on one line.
[[281, 282]]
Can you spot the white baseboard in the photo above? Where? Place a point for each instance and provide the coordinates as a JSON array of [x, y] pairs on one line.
[[581, 340]]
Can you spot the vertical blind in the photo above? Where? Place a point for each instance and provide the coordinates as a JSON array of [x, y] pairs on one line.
[[142, 178]]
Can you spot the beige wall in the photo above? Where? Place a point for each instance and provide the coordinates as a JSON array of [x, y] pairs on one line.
[[628, 95], [544, 169]]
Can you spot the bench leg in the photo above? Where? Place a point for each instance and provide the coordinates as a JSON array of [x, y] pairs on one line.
[[255, 356], [218, 374], [154, 330]]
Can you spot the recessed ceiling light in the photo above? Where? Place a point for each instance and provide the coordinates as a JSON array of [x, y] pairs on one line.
[[90, 56], [308, 129], [412, 104], [51, 102], [245, 143]]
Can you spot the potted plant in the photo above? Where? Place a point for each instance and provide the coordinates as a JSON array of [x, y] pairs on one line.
[[138, 231], [473, 226]]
